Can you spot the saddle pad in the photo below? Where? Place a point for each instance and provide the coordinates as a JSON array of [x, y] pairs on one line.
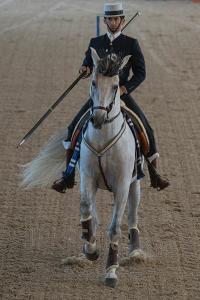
[[140, 129], [79, 127]]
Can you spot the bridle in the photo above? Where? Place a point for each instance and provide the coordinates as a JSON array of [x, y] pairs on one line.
[[107, 109]]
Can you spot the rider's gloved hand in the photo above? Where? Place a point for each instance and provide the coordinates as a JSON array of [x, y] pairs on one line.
[[83, 69], [123, 90]]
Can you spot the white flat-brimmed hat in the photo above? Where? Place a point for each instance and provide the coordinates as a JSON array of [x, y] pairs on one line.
[[113, 10]]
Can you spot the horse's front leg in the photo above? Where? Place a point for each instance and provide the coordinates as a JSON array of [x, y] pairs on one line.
[[120, 199], [133, 204], [88, 217]]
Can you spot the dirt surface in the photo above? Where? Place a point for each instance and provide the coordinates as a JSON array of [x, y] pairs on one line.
[[42, 44]]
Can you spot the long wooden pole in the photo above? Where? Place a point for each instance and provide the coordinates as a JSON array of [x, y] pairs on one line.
[[49, 111]]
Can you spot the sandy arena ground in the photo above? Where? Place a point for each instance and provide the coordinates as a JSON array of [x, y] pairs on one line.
[[42, 44]]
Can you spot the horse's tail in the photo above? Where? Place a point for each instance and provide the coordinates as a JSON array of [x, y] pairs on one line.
[[47, 166]]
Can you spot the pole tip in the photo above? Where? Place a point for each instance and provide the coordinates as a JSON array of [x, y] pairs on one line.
[[20, 143]]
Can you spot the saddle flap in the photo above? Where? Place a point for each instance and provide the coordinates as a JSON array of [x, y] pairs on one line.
[[140, 130]]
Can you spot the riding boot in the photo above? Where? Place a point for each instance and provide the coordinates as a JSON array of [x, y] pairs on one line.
[[66, 182], [156, 180]]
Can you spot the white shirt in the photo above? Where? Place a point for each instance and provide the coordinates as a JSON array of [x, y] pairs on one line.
[[113, 36]]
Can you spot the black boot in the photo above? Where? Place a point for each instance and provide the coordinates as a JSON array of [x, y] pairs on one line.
[[157, 181], [66, 182]]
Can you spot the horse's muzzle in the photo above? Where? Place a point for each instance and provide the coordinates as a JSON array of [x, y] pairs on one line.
[[98, 119]]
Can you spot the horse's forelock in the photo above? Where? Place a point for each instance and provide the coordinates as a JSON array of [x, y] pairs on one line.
[[109, 65]]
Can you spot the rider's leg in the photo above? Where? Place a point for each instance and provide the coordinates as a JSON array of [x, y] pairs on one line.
[[156, 181], [131, 104], [72, 125], [68, 182]]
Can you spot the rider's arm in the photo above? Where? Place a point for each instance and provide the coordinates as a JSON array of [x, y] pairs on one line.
[[138, 68], [88, 62]]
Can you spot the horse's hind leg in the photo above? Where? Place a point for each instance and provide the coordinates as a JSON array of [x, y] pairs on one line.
[[88, 218], [133, 204]]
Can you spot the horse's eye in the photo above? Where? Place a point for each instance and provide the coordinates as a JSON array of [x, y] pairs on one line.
[[93, 83]]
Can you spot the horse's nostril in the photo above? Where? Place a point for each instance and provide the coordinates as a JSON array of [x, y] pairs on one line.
[[97, 126]]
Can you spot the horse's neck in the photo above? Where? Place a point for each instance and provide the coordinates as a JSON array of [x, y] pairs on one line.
[[100, 137]]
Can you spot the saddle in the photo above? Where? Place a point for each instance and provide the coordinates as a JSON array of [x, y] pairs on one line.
[[140, 130]]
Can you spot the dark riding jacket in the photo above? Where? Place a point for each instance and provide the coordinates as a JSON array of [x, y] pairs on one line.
[[122, 45]]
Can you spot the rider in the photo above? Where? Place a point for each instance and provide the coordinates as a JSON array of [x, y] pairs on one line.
[[115, 41]]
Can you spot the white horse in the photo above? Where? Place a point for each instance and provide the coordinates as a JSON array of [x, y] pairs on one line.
[[107, 160]]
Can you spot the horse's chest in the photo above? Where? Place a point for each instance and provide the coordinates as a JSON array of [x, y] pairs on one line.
[[114, 164]]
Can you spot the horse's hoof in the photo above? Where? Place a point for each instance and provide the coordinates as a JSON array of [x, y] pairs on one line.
[[137, 256], [111, 282], [91, 256]]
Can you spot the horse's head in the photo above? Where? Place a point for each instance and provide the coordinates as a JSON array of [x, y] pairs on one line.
[[104, 89]]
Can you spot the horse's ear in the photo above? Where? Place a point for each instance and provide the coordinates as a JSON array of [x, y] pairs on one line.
[[124, 62], [95, 56]]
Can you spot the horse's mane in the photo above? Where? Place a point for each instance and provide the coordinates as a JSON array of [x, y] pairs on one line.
[[109, 65]]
